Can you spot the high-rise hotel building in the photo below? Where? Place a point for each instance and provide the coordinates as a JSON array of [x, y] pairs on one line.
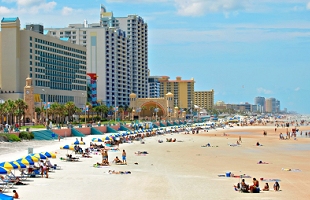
[[183, 91], [204, 99], [57, 68], [117, 53]]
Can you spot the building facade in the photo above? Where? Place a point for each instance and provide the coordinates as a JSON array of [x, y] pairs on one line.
[[204, 99], [183, 91], [57, 68], [154, 86], [271, 105], [260, 101], [117, 51]]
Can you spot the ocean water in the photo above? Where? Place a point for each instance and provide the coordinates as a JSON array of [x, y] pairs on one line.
[[13, 147]]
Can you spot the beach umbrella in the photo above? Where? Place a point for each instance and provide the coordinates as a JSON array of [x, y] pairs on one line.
[[19, 164], [8, 165], [107, 138], [39, 155], [5, 197], [124, 134], [49, 154], [67, 147], [78, 143], [4, 170], [25, 161], [33, 158], [97, 140]]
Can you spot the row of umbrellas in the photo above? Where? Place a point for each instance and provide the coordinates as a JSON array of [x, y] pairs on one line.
[[22, 163]]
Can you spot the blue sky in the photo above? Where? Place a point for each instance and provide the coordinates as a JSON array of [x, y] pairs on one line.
[[239, 48]]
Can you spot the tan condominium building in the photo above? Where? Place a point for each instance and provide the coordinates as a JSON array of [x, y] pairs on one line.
[[57, 68], [183, 90], [204, 99]]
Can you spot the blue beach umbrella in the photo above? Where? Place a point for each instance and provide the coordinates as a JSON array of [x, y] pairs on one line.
[[5, 197], [97, 140], [4, 170], [78, 143], [124, 134], [67, 147], [8, 165], [107, 138], [33, 158], [20, 164], [39, 155], [49, 154], [25, 161]]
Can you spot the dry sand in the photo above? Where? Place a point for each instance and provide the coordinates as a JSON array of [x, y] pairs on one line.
[[179, 170]]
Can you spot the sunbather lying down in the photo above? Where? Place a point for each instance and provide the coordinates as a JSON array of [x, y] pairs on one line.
[[262, 162], [118, 172], [141, 152], [101, 164]]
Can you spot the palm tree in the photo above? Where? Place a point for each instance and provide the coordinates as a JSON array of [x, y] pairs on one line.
[[21, 107], [121, 110], [70, 109], [129, 110], [1, 112], [90, 109], [143, 108], [9, 110]]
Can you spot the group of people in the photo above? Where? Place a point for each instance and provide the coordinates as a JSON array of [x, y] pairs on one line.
[[254, 188], [105, 158]]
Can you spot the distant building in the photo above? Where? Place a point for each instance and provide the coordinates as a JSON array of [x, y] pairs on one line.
[[154, 86], [204, 99], [57, 68], [183, 91], [260, 101], [271, 105]]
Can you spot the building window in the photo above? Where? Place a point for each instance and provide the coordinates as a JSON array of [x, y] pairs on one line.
[[30, 38]]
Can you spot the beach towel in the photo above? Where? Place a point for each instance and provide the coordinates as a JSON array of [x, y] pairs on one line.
[[269, 179], [261, 162], [221, 175], [234, 145], [291, 170], [242, 176]]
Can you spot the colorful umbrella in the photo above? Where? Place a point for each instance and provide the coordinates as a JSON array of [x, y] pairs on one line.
[[39, 155], [49, 154], [78, 142], [19, 164], [8, 165], [4, 170], [107, 138], [25, 161], [33, 158], [67, 147], [97, 140]]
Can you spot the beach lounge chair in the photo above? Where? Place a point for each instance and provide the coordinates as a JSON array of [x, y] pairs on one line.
[[5, 184], [12, 176]]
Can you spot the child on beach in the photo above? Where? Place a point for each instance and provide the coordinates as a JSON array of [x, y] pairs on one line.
[[124, 156], [276, 186], [15, 196]]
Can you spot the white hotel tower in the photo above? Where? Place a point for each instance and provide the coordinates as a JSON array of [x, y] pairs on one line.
[[117, 51]]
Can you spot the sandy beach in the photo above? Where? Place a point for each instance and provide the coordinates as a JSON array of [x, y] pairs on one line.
[[176, 170]]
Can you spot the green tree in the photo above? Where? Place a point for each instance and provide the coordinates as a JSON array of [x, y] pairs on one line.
[[70, 109], [20, 106]]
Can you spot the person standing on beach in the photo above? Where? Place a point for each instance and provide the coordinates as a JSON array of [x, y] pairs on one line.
[[240, 139], [124, 157]]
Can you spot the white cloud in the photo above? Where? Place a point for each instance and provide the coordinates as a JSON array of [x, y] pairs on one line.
[[297, 89], [5, 10], [66, 11], [263, 91], [28, 7], [308, 6], [201, 7]]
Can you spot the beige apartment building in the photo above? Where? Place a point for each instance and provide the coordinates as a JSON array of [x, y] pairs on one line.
[[183, 90], [204, 99], [57, 68]]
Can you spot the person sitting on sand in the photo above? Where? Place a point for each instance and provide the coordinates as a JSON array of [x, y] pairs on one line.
[[266, 187], [242, 186], [15, 196], [238, 143], [255, 187], [117, 160], [276, 186], [258, 144]]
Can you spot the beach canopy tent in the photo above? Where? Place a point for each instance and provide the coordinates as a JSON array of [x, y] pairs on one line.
[[4, 170], [5, 197]]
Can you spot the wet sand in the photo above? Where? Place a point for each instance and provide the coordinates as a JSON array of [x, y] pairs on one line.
[[179, 170]]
